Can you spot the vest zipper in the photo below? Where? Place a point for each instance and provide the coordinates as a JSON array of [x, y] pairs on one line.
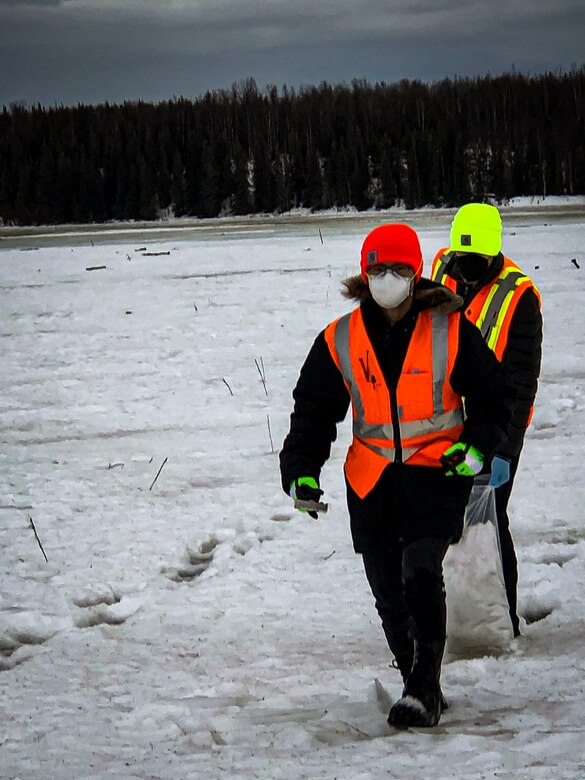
[[395, 425]]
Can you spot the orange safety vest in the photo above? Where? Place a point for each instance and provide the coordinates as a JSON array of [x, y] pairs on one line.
[[492, 309], [428, 413]]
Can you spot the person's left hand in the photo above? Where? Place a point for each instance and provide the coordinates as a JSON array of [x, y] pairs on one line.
[[462, 460]]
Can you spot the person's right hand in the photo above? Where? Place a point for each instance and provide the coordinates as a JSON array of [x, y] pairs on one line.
[[305, 492]]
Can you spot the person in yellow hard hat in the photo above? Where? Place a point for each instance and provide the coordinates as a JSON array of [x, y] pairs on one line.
[[504, 304], [403, 358]]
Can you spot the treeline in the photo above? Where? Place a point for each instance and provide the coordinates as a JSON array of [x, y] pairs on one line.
[[246, 150]]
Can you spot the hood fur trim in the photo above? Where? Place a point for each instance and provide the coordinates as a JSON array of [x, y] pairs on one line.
[[430, 294]]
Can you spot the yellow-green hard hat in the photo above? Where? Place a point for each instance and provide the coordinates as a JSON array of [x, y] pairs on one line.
[[477, 227]]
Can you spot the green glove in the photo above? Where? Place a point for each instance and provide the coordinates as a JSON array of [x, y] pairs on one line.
[[305, 492], [462, 459]]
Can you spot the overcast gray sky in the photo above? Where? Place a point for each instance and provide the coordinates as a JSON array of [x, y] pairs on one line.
[[90, 51]]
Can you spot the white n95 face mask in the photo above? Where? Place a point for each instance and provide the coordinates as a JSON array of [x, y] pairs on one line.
[[389, 290]]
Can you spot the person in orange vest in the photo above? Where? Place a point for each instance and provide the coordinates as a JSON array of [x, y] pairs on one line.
[[403, 358], [504, 304]]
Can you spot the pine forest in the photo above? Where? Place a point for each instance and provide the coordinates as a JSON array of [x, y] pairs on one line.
[[247, 150]]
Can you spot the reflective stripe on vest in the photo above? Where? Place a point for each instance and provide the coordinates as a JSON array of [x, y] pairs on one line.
[[417, 436], [492, 308]]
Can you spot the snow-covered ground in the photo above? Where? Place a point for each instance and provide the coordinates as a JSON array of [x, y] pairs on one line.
[[196, 626]]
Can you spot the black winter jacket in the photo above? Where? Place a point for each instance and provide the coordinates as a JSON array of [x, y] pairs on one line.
[[425, 501], [521, 359]]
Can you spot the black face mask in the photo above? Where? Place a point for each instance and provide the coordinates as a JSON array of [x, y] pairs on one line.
[[468, 268]]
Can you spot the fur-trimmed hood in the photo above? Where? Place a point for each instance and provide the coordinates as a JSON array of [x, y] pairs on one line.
[[427, 294]]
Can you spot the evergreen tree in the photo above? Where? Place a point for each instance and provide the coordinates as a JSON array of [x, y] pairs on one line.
[[178, 185], [209, 198]]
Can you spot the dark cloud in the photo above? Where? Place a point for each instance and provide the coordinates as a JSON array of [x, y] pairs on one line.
[[95, 50], [32, 3]]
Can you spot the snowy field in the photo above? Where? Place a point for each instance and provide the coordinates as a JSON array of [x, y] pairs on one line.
[[196, 626]]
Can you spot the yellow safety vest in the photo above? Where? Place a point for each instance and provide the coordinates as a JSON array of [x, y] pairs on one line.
[[492, 308]]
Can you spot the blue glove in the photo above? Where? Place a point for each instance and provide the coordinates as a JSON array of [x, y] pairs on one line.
[[500, 471], [305, 492], [462, 459]]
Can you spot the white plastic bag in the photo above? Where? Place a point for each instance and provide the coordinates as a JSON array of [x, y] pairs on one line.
[[478, 618]]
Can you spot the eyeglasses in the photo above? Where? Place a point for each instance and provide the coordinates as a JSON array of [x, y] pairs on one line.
[[382, 270]]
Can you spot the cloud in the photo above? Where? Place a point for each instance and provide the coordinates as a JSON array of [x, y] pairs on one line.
[[92, 50]]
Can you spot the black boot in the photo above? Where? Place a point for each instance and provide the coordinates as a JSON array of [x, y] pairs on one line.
[[420, 705], [404, 666], [403, 662]]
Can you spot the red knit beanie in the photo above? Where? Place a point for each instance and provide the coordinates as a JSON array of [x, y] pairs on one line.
[[392, 243]]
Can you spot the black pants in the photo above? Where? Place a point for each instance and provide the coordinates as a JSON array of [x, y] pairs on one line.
[[407, 583], [509, 561]]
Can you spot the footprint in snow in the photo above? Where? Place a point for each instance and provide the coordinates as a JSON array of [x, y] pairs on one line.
[[534, 613], [199, 559], [99, 605], [196, 562], [22, 633], [557, 557]]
